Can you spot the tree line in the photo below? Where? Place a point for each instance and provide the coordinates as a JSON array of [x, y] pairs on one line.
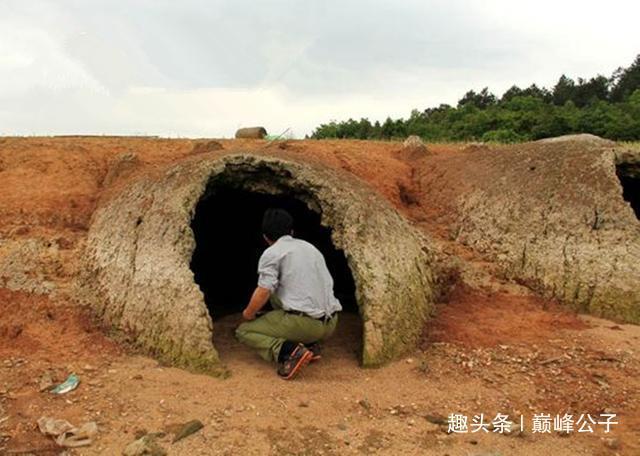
[[604, 106]]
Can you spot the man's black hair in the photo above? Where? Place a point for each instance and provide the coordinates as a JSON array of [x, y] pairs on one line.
[[276, 223]]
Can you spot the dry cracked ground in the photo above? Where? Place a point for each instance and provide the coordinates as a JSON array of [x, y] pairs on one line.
[[492, 347]]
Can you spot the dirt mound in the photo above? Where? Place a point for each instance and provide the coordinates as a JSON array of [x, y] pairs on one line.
[[203, 147], [413, 148], [551, 215], [584, 138]]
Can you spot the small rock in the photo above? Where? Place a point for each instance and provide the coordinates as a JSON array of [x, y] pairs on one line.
[[144, 446], [612, 443], [365, 404], [436, 419], [303, 404], [188, 428], [423, 367], [342, 426], [413, 141], [45, 381], [413, 147]]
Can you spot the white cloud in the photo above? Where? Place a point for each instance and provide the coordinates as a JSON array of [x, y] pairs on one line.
[[29, 57], [204, 68]]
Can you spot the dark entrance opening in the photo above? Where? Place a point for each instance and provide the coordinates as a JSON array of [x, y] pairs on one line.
[[629, 175], [226, 226]]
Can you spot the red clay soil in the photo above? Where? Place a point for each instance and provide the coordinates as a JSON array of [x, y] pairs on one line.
[[55, 182], [33, 325], [556, 364], [489, 349], [38, 338], [476, 318]]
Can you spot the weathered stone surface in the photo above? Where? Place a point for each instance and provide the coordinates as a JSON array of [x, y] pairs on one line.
[[551, 214], [584, 138], [137, 275], [25, 263], [413, 148], [413, 141]]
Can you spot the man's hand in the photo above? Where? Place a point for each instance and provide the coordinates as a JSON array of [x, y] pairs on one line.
[[258, 300], [248, 315]]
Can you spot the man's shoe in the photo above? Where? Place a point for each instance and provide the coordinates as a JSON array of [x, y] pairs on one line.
[[316, 350], [299, 357]]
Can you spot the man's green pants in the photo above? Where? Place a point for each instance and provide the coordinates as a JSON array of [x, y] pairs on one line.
[[267, 333]]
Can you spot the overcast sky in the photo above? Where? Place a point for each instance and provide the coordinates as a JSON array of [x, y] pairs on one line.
[[204, 68]]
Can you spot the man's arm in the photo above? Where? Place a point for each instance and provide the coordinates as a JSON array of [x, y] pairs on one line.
[[268, 271], [258, 300]]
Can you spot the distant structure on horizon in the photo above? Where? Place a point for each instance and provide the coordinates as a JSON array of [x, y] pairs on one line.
[[251, 133]]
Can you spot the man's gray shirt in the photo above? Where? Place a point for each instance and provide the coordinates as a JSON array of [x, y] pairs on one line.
[[297, 273]]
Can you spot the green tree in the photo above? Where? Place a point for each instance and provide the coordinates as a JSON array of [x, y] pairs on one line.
[[609, 107], [537, 92], [625, 81], [563, 91], [594, 89], [480, 100], [513, 91]]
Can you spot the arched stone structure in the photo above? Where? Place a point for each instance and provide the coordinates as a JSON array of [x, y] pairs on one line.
[[140, 244]]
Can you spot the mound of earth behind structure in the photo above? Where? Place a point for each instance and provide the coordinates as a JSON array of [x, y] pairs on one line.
[[550, 213]]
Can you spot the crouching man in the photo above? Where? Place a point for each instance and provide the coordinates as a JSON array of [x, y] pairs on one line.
[[293, 275]]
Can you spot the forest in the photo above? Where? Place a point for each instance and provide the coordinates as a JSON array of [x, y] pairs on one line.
[[605, 106]]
